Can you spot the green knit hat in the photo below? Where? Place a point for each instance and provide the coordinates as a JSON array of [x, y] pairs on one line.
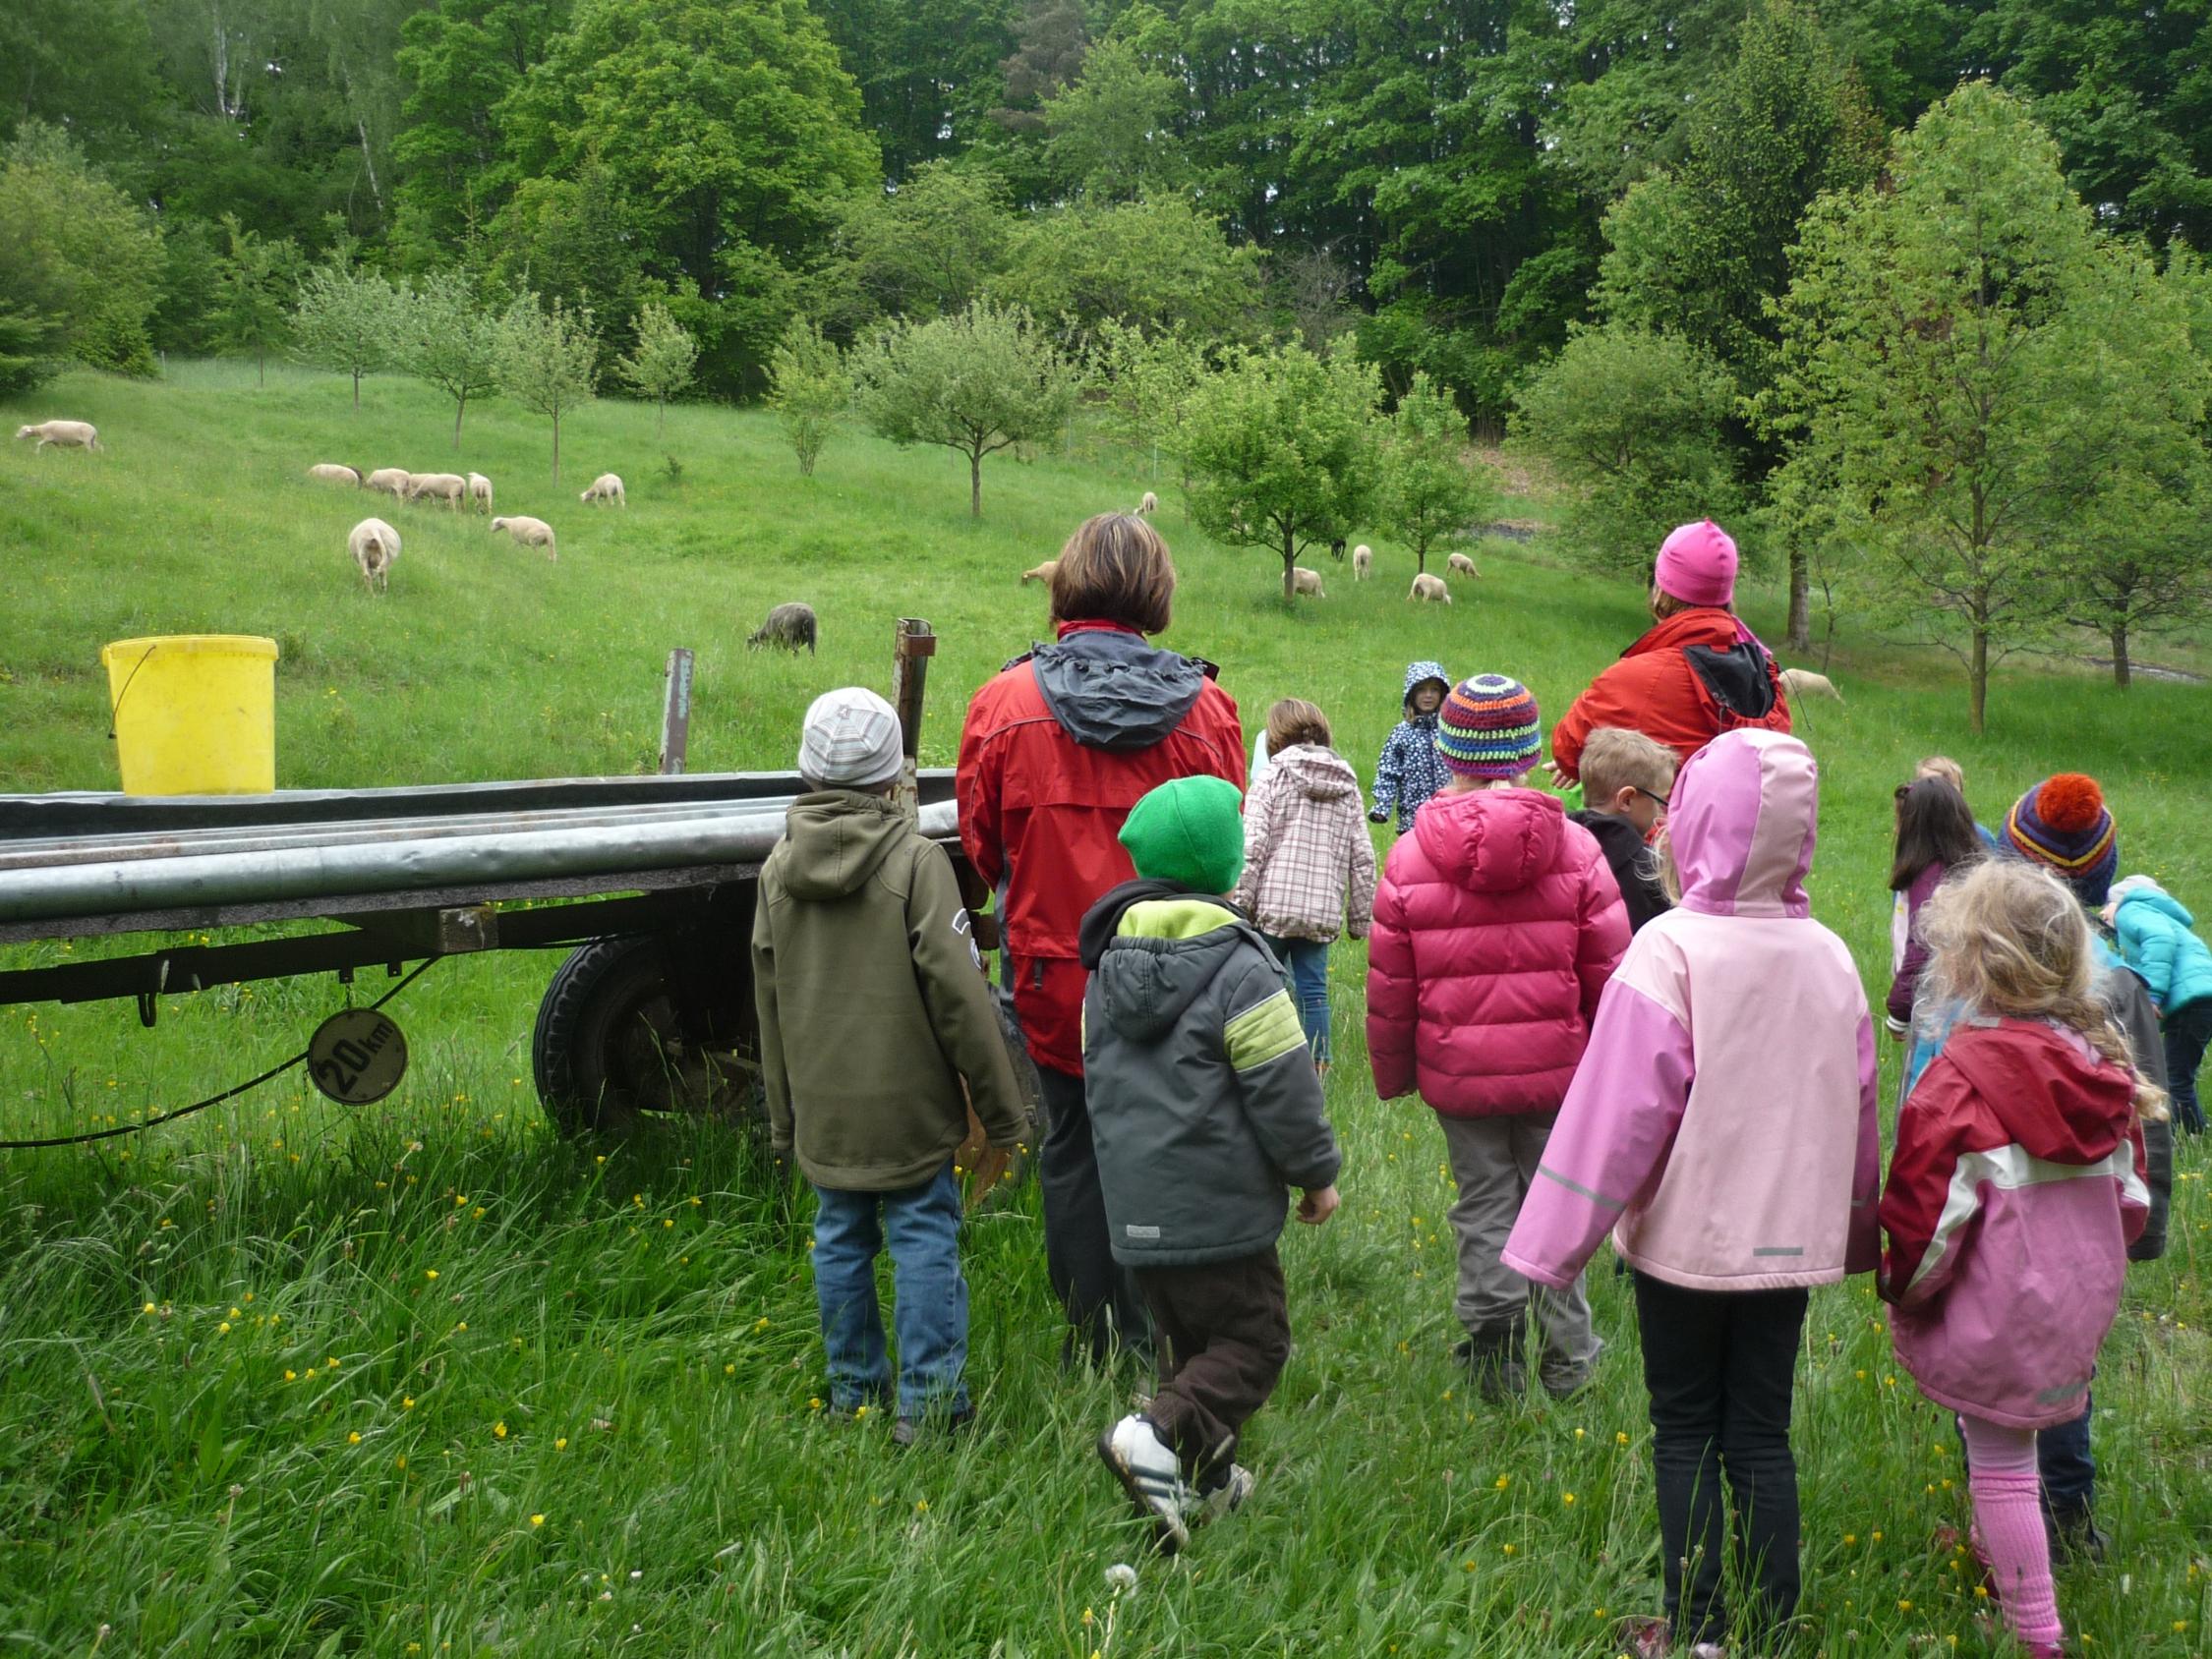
[[1191, 830]]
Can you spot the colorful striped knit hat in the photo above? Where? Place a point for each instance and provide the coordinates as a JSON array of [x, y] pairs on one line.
[[2064, 823], [1489, 728]]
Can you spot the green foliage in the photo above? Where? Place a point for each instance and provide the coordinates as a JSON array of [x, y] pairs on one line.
[[928, 72], [573, 240], [1281, 451], [1154, 265], [253, 286], [1429, 497], [30, 353], [926, 249], [77, 251], [548, 361], [447, 336], [1146, 380], [663, 363], [1112, 132], [347, 318], [810, 389], [1634, 423], [978, 382]]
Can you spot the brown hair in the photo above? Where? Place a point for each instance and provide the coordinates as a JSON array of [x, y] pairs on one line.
[[1615, 758], [1295, 720], [1934, 827], [1115, 568]]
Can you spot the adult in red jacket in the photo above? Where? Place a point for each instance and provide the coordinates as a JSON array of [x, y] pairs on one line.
[[1699, 672], [1056, 751]]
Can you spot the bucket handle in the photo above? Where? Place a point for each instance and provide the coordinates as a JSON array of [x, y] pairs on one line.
[[115, 708]]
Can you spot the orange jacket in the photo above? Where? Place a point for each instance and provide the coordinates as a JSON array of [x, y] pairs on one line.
[[1653, 690]]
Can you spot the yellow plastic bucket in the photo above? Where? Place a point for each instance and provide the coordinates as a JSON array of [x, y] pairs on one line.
[[194, 713]]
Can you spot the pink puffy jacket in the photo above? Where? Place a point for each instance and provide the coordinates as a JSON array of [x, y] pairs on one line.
[[1496, 929]]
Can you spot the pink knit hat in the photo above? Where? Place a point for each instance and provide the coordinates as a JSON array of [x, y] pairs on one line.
[[1697, 565]]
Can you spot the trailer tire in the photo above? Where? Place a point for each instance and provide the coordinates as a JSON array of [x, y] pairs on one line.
[[609, 1045]]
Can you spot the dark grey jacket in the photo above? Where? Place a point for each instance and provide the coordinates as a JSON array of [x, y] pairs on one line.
[[1203, 1100]]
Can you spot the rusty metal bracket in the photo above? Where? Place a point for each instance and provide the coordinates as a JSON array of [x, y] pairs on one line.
[[676, 713]]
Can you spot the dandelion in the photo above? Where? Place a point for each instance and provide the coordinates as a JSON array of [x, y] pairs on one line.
[[761, 1324], [150, 1308], [400, 1461], [729, 1370], [407, 1402], [1510, 1549], [291, 1376], [1568, 1499], [921, 1506], [1121, 1578], [537, 1520], [429, 1273], [354, 1439], [235, 1314], [223, 1330], [1578, 1433], [1904, 1606], [1850, 1538], [1621, 1437], [1502, 1482], [814, 1403], [561, 1444]]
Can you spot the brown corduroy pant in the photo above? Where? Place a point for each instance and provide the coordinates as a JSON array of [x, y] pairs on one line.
[[1223, 1336]]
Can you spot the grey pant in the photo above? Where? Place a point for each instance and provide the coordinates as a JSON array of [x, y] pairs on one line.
[[1494, 1160]]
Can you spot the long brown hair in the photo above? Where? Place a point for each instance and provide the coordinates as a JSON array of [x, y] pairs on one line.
[[1935, 825]]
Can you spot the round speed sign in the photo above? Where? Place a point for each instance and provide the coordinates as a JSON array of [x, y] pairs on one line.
[[357, 1055]]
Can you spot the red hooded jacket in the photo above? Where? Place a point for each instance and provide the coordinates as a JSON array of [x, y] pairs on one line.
[[1652, 689]]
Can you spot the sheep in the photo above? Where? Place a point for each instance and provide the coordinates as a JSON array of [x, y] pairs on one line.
[[1041, 573], [1803, 682], [1150, 505], [1429, 589], [450, 487], [1304, 581], [789, 626], [1363, 562], [530, 532], [392, 481], [330, 472], [375, 546], [606, 487], [63, 434], [1459, 564], [479, 491]]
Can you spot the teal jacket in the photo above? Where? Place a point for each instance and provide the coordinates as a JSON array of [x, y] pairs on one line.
[[2157, 937]]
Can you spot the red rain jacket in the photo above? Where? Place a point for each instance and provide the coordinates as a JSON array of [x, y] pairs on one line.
[[1652, 689]]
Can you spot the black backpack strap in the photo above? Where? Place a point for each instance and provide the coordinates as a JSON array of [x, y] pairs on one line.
[[1737, 679]]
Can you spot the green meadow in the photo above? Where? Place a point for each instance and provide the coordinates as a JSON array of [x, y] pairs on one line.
[[423, 1378]]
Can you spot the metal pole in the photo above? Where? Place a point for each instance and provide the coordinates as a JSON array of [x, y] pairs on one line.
[[676, 713], [912, 647]]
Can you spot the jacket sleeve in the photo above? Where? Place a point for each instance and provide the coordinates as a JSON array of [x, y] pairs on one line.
[[2149, 947], [1274, 1067], [1612, 1137], [775, 1079], [949, 970], [1359, 906], [1601, 932], [1906, 981], [1260, 825], [975, 795], [1393, 995], [2146, 1240], [1862, 1246], [1389, 772], [1927, 1232]]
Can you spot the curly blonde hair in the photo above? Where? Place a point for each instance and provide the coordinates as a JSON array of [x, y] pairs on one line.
[[2007, 937]]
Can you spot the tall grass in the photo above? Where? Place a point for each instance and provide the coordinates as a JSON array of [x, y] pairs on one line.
[[421, 1378]]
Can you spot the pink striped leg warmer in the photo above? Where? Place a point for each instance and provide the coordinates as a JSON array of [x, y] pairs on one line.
[[2009, 1529]]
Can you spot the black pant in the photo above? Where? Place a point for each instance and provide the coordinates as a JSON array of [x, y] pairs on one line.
[[1719, 1366], [1099, 1297], [1224, 1335], [2187, 1032]]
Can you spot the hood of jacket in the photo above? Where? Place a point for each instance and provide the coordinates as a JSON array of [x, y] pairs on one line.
[[1617, 837], [1705, 624], [835, 839], [1318, 774], [1742, 821], [1110, 690], [2142, 889], [1159, 946], [2056, 1098], [1420, 674], [1491, 840]]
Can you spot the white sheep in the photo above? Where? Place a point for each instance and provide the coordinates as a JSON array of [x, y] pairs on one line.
[[1803, 682], [1363, 562], [530, 532], [450, 487], [330, 472], [1150, 505], [606, 487], [62, 434], [1304, 581], [1429, 589], [479, 491], [375, 546], [1459, 564], [1041, 573], [392, 481]]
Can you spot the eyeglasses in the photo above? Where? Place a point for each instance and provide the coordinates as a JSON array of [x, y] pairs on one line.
[[1651, 794]]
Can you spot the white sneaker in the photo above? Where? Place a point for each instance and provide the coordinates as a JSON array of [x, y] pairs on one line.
[[1225, 1499], [1149, 1474]]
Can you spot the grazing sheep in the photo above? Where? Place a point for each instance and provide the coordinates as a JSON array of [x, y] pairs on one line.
[[1363, 562], [62, 434], [479, 491], [375, 546], [450, 487], [392, 481], [1459, 564], [1041, 573], [530, 532], [1803, 682], [789, 626], [1431, 590], [1304, 581], [330, 472], [606, 487], [1150, 505]]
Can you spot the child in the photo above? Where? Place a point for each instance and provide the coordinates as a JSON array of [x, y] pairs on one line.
[[1935, 837], [1203, 1103], [1723, 1126], [1496, 929], [873, 1012], [1308, 864], [1408, 772], [1955, 774], [2158, 940], [1625, 781], [2013, 1190]]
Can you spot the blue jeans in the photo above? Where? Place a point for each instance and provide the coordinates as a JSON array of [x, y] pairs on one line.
[[922, 1224], [1308, 962]]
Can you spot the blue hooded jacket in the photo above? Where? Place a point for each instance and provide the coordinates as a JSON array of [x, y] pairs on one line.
[[2158, 940], [1408, 772]]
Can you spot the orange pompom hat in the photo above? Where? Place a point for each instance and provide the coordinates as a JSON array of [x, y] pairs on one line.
[[2064, 823]]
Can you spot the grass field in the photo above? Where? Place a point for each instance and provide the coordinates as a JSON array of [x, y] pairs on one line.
[[422, 1379]]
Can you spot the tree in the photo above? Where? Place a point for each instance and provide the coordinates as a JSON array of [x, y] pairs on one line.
[[28, 354], [345, 320], [926, 249], [1429, 496], [1146, 380], [1633, 422], [1153, 264], [809, 388], [254, 277], [77, 251], [984, 380], [548, 361], [1112, 134], [661, 365], [450, 339], [1281, 450]]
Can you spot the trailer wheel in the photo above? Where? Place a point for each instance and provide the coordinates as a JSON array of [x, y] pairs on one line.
[[609, 1045]]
